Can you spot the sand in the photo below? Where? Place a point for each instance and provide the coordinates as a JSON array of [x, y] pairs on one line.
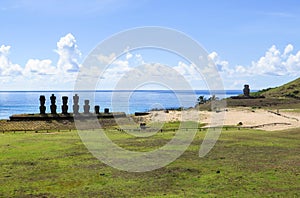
[[256, 118]]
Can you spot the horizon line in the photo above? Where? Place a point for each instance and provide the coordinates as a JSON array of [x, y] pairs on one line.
[[121, 90]]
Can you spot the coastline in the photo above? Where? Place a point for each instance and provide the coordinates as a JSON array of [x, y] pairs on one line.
[[243, 117]]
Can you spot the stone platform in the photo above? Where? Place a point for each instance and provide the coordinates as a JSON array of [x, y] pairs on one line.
[[70, 116], [247, 97]]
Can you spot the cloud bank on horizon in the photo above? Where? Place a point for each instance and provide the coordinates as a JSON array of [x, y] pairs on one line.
[[274, 62], [43, 74]]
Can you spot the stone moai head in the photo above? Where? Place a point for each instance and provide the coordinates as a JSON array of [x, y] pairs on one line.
[[65, 99], [42, 99], [75, 99], [52, 97]]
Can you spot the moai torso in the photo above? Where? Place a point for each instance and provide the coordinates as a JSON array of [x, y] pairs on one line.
[[97, 109], [75, 104], [64, 107], [86, 107], [246, 91], [42, 104], [53, 106]]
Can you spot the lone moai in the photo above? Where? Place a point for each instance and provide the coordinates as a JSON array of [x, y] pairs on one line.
[[53, 106], [97, 109], [246, 91], [86, 107], [106, 110], [64, 107], [42, 104], [75, 104]]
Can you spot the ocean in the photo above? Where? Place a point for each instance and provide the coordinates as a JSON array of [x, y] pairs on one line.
[[19, 102]]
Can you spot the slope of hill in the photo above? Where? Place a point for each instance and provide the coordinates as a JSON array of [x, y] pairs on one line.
[[289, 90]]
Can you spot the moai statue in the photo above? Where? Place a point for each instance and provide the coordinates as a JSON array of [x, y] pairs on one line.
[[53, 106], [75, 104], [246, 91], [42, 103], [64, 107], [106, 110], [97, 109], [86, 107]]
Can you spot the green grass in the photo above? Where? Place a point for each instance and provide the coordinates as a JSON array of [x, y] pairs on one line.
[[243, 163], [291, 110], [288, 90]]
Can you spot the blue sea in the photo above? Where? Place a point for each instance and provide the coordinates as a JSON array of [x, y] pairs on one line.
[[19, 102]]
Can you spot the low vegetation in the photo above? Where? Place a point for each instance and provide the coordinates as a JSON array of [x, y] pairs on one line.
[[267, 103], [288, 90], [243, 163]]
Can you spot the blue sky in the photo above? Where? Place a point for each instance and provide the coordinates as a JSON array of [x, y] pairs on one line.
[[254, 42]]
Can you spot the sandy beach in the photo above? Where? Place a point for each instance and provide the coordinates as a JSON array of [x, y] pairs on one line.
[[257, 118]]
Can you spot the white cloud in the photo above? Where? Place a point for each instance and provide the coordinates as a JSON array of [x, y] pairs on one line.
[[4, 50], [271, 63], [213, 56], [274, 62], [106, 59], [7, 68], [292, 63], [222, 65], [68, 54], [128, 55], [139, 59], [152, 74], [288, 49], [33, 73], [117, 67], [240, 69], [187, 70], [39, 67]]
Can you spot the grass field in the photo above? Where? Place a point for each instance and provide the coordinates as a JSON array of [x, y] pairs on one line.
[[243, 163]]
